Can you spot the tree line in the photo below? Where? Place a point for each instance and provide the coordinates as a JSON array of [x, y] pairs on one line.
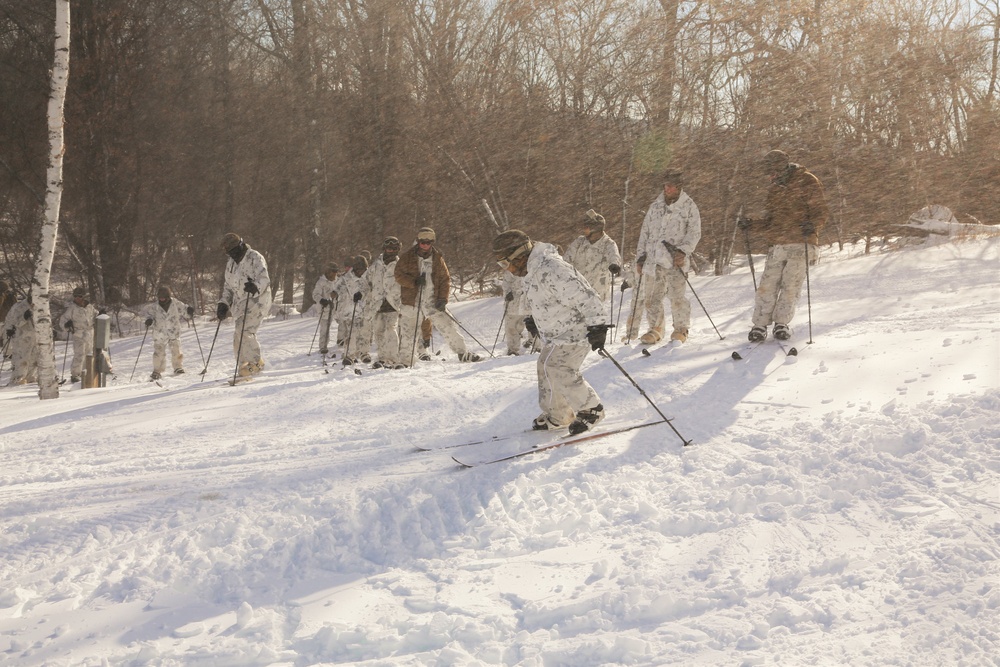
[[315, 128]]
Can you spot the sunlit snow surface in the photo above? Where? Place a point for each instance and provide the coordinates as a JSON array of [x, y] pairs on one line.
[[841, 507]]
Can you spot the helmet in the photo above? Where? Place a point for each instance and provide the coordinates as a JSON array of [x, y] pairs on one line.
[[79, 291], [230, 241], [426, 234], [775, 161], [507, 245], [594, 220]]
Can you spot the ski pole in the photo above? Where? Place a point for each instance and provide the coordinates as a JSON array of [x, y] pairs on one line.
[[468, 333], [416, 322], [500, 328], [746, 237], [808, 295], [239, 348], [144, 334], [211, 349], [635, 303], [350, 335], [198, 338], [62, 377], [621, 303], [322, 309], [612, 319], [604, 353], [3, 358], [721, 337]]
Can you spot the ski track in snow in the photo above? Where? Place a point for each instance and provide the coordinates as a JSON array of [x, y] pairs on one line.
[[840, 507]]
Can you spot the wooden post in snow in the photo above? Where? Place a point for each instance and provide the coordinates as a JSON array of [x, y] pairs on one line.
[[48, 382]]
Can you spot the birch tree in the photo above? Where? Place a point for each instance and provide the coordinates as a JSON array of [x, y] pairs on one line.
[[48, 385]]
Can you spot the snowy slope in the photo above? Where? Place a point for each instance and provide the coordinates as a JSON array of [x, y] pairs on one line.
[[841, 507]]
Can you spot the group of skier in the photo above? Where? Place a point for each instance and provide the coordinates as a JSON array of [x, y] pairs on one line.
[[558, 299]]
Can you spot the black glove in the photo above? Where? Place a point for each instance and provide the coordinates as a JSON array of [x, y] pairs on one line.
[[357, 297], [420, 280], [625, 285], [743, 223], [597, 335], [70, 327], [808, 229], [27, 314], [324, 302], [102, 311], [221, 310], [509, 297], [149, 322], [441, 304], [190, 311], [641, 259], [250, 288], [11, 332], [614, 269], [529, 324]]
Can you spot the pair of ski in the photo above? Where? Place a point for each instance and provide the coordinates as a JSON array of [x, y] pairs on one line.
[[548, 442], [744, 353]]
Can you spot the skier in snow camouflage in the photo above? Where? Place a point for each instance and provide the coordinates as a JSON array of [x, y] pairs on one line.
[[670, 232], [247, 289], [78, 321], [19, 327], [352, 293], [421, 272], [324, 294], [595, 255], [384, 304], [165, 317], [569, 317], [795, 213]]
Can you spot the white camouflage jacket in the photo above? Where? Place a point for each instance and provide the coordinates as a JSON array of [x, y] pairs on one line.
[[382, 285], [324, 289], [678, 224], [167, 324], [251, 267], [514, 284], [592, 260], [561, 302], [82, 318], [346, 286]]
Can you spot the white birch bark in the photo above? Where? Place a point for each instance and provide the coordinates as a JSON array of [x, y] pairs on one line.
[[48, 383]]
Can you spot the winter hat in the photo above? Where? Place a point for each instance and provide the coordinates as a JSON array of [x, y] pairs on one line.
[[77, 291], [230, 241], [426, 234], [164, 293], [673, 177], [775, 161], [332, 267], [391, 242], [594, 220], [511, 244]]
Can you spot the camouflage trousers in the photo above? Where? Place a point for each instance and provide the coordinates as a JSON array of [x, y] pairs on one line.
[[24, 356], [444, 324], [325, 320], [160, 345], [513, 326], [246, 347], [83, 344], [667, 283], [385, 334], [562, 389], [781, 284]]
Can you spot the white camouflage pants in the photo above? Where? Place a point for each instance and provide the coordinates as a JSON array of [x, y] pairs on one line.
[[325, 317], [24, 356], [247, 348], [562, 389], [781, 284], [385, 333], [669, 283], [83, 344], [444, 324], [513, 326], [160, 345]]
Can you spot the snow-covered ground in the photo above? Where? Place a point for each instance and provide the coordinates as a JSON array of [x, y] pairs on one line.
[[841, 507]]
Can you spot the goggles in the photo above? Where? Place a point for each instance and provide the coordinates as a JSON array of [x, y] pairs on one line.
[[505, 261]]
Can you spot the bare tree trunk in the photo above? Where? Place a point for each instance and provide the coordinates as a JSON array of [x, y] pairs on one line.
[[48, 385]]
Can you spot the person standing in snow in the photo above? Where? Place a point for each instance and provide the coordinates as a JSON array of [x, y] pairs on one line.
[[795, 213], [352, 288], [247, 293], [78, 321], [384, 304], [424, 283], [324, 294], [638, 305], [595, 255], [568, 316], [670, 232], [19, 326], [515, 310], [165, 317]]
